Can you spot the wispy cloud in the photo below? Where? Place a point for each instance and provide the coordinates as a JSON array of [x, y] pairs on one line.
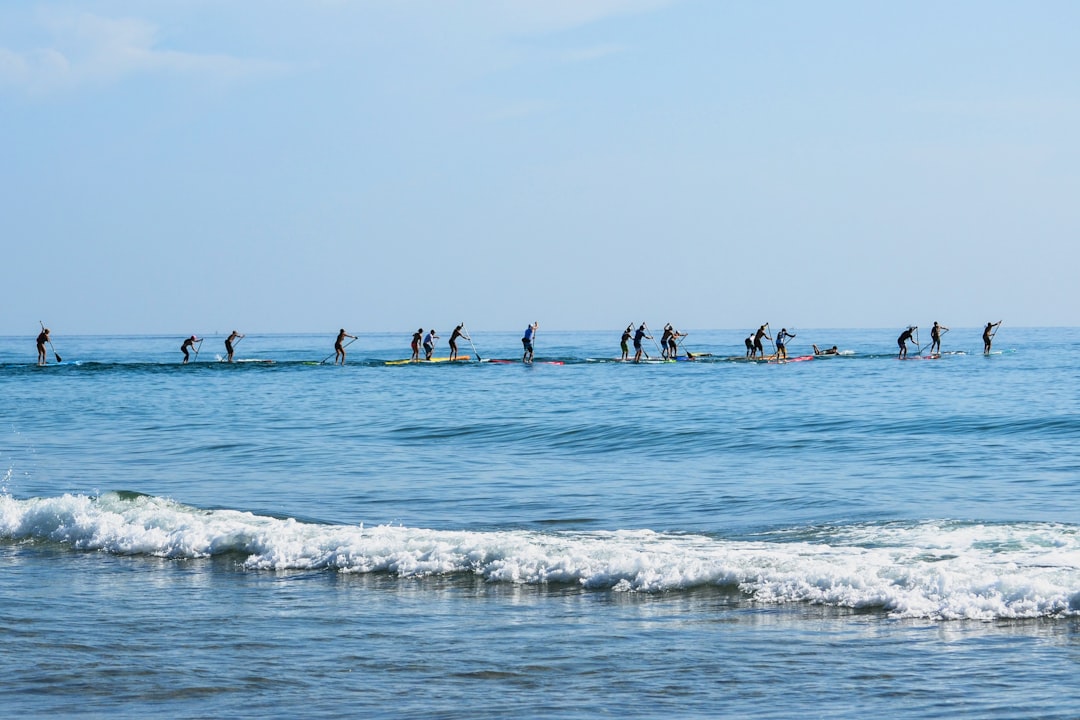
[[87, 49]]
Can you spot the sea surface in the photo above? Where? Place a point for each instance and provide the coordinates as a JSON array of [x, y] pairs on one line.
[[839, 537]]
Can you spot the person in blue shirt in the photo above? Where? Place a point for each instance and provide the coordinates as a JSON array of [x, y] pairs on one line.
[[527, 342], [429, 343], [781, 340], [640, 334]]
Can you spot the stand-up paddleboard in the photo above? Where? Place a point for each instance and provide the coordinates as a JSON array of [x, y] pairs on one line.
[[780, 361], [410, 361], [500, 361]]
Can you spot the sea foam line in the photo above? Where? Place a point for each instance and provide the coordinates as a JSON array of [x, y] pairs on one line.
[[927, 570]]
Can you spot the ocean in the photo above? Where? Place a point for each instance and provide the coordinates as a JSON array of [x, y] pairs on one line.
[[834, 538]]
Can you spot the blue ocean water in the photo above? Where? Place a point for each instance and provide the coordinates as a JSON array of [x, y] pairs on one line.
[[832, 538]]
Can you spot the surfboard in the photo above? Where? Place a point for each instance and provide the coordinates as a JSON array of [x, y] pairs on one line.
[[410, 361]]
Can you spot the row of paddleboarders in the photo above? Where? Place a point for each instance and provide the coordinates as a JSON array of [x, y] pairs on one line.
[[911, 334], [668, 344], [427, 342]]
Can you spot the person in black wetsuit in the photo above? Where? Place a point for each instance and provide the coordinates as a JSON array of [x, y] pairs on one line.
[[902, 341], [188, 345]]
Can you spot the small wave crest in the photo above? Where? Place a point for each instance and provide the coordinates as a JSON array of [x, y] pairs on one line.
[[934, 570]]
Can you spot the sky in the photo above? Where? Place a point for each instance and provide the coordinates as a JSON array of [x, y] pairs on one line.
[[197, 166]]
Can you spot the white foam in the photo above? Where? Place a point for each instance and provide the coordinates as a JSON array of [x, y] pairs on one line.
[[926, 570]]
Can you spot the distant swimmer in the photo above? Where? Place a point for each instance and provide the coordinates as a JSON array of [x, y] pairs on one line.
[[935, 337], [229, 344], [429, 343], [781, 340], [749, 345], [829, 351], [761, 333], [988, 337], [415, 345], [339, 348], [527, 342], [189, 344], [42, 339], [458, 332], [903, 339], [640, 334], [624, 342]]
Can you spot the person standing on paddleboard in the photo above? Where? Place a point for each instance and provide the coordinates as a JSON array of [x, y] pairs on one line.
[[429, 343], [749, 345], [759, 349], [673, 344], [641, 334], [902, 341], [988, 337], [527, 342], [339, 348], [415, 345], [624, 342], [781, 340], [453, 340], [935, 337], [229, 344], [189, 344], [664, 339], [42, 339]]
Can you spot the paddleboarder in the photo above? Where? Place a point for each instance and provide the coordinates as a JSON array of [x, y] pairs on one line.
[[935, 337], [902, 341], [339, 348], [527, 342], [665, 339], [988, 337], [42, 339], [229, 344], [458, 332], [641, 334], [673, 344], [761, 333], [830, 351], [429, 343], [624, 342], [749, 345], [189, 344], [415, 345], [781, 339]]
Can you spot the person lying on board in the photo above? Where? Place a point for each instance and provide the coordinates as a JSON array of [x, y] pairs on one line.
[[829, 351]]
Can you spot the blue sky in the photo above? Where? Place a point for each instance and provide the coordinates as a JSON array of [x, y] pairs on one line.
[[304, 165]]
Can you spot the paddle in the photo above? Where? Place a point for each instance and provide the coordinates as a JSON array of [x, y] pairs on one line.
[[468, 336], [653, 337], [992, 333], [768, 334], [55, 354], [197, 350]]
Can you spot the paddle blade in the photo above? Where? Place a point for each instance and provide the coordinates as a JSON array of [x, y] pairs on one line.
[[57, 356]]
